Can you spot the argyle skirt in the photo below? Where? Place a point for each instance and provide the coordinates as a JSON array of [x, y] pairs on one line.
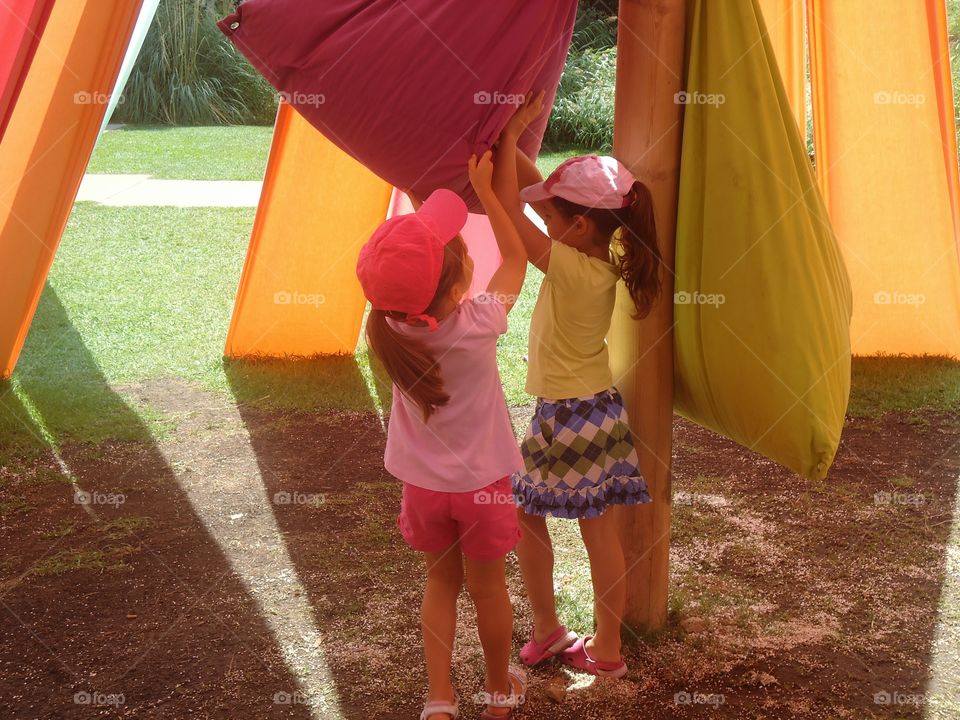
[[579, 458]]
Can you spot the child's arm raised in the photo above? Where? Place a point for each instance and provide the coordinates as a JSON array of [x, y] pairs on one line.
[[507, 281], [510, 159]]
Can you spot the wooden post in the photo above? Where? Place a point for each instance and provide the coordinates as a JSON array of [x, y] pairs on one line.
[[647, 136]]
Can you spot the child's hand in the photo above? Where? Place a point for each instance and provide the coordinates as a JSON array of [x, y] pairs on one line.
[[481, 174], [525, 114]]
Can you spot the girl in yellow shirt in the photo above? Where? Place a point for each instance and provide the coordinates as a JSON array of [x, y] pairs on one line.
[[579, 454]]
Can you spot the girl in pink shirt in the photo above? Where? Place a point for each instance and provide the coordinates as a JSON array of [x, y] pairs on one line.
[[450, 439]]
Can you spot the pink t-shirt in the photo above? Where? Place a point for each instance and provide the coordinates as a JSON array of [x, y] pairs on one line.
[[469, 442]]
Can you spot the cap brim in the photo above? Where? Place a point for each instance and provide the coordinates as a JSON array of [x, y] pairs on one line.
[[448, 212], [535, 193]]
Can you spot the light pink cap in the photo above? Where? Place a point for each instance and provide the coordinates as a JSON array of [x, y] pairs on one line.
[[596, 181]]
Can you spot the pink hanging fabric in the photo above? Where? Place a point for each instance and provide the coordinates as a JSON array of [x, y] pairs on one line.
[[478, 236], [410, 89], [21, 26]]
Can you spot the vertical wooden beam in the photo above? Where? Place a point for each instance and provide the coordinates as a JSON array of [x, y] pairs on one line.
[[647, 139]]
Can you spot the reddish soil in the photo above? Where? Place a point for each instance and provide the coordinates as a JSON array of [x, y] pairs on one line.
[[810, 598]]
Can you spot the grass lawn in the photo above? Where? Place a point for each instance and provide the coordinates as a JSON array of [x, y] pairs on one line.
[[144, 293]]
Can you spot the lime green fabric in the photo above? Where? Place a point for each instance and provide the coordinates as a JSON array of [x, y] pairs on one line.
[[568, 352], [763, 301]]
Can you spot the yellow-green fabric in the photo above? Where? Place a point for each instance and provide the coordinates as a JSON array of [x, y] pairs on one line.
[[763, 301], [568, 350]]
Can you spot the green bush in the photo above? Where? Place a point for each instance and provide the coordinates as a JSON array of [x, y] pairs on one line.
[[583, 111], [188, 73]]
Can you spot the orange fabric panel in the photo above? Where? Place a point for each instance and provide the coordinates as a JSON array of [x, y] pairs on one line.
[[47, 146], [887, 164], [299, 294], [784, 21]]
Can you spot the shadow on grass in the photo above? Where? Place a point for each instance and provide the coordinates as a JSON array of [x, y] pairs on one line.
[[116, 599]]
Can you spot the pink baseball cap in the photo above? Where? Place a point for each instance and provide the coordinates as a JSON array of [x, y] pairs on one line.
[[596, 181], [399, 266]]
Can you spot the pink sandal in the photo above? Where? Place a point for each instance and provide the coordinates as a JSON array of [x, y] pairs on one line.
[[554, 644], [441, 707], [518, 694], [577, 657]]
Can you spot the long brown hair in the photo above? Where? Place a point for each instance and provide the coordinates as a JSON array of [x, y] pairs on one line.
[[638, 259], [407, 360]]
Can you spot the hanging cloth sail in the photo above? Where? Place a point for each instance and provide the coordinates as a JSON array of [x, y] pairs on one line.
[[763, 302], [410, 89]]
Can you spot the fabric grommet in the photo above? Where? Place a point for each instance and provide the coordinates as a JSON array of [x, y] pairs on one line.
[[234, 25]]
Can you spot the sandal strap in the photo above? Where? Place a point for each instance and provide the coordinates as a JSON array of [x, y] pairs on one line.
[[437, 707]]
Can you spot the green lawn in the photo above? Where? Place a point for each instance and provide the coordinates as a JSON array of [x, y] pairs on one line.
[[184, 153], [141, 293]]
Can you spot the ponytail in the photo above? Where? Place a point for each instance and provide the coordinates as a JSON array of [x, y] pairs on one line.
[[634, 231], [408, 362], [407, 359], [639, 258]]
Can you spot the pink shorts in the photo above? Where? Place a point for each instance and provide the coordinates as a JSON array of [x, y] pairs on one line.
[[484, 520]]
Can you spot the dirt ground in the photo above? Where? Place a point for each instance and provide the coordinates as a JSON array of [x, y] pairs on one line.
[[247, 566]]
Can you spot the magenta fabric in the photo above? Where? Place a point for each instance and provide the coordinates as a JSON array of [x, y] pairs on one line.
[[21, 26], [410, 88]]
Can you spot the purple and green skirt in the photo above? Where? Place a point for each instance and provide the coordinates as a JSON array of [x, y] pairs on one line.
[[579, 458]]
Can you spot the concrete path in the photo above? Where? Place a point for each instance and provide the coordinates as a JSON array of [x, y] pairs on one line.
[[147, 191]]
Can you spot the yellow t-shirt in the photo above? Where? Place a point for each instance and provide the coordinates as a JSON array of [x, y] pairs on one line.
[[568, 350]]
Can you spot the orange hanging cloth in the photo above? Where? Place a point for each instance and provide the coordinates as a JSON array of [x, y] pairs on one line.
[[784, 23], [299, 293], [47, 146], [887, 164]]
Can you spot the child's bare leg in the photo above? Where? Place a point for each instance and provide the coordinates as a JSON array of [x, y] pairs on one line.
[[438, 620], [487, 585], [535, 552], [609, 587]]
